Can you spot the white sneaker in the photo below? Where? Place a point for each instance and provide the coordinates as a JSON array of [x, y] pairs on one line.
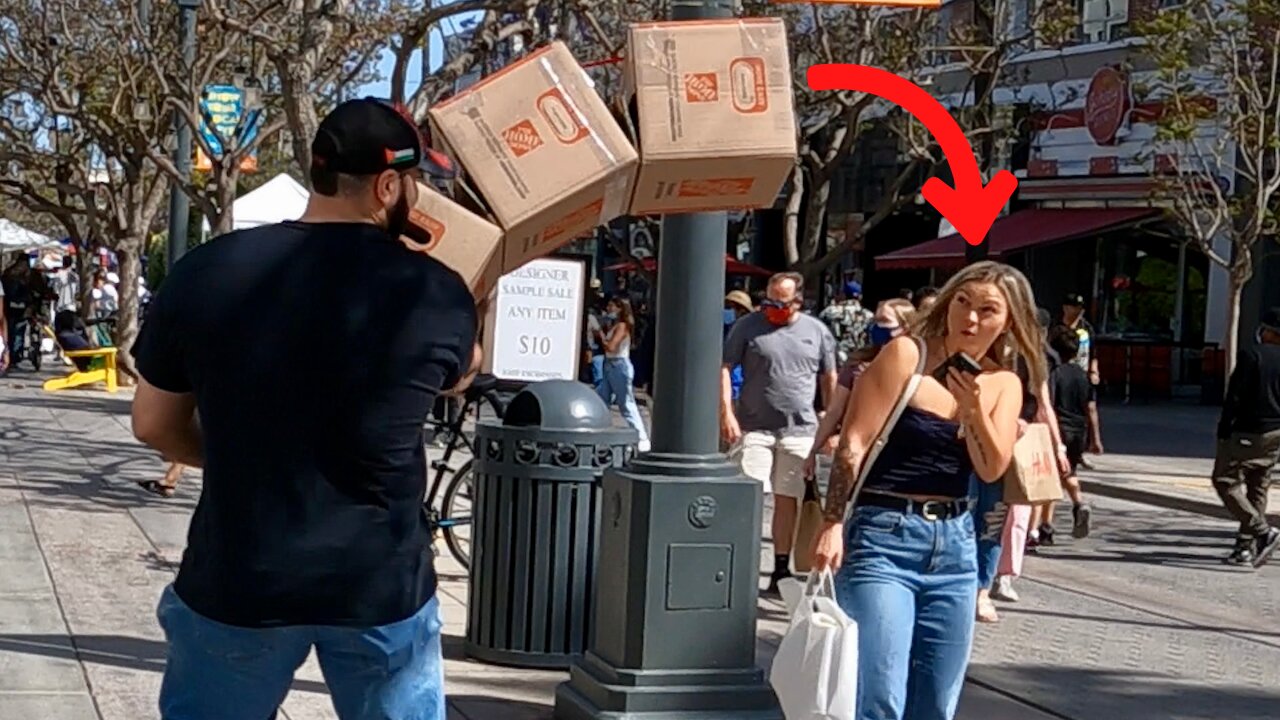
[[643, 446], [1003, 590]]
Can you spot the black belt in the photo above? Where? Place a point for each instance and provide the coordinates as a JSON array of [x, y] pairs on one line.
[[927, 509]]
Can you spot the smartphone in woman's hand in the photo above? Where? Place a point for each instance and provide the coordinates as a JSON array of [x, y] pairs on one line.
[[960, 361]]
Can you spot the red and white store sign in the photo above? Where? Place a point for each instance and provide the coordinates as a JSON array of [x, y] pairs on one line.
[[1107, 105]]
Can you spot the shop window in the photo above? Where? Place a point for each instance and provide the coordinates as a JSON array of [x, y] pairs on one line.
[[1140, 291]]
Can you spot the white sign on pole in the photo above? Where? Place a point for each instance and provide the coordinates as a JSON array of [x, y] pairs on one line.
[[537, 333]]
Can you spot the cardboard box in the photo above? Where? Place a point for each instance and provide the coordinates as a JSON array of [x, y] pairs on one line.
[[469, 244], [542, 149], [713, 106]]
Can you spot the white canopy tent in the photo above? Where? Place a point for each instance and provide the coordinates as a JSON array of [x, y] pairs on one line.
[[279, 199], [15, 237]]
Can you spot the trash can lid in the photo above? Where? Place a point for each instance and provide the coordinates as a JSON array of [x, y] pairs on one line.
[[558, 405]]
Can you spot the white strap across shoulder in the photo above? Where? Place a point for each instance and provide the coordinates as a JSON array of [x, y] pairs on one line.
[[882, 437]]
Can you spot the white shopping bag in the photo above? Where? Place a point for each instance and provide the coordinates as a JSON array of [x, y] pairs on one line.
[[815, 673]]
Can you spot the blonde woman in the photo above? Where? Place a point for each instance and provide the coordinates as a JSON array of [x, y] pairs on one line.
[[906, 559], [891, 320]]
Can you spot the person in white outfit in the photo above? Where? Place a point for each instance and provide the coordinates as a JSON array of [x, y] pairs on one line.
[[619, 374]]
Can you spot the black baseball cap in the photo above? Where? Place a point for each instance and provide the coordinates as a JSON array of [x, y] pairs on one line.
[[369, 135], [1271, 319], [1074, 299]]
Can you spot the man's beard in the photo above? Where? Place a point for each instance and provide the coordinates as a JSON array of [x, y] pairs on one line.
[[398, 217]]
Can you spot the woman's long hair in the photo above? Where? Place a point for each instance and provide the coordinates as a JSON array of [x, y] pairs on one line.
[[1021, 339], [625, 314]]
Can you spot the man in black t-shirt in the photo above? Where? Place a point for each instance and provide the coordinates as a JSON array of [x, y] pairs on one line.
[[1072, 396], [1249, 444], [1087, 360], [297, 363]]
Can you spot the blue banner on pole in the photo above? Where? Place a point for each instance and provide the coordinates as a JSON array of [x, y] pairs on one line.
[[222, 109]]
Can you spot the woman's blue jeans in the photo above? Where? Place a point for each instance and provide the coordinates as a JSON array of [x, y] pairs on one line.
[[619, 376], [911, 585], [988, 520]]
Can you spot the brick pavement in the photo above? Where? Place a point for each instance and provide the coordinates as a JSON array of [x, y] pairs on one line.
[[1139, 622]]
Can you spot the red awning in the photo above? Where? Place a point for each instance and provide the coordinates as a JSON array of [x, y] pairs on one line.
[[732, 266], [1016, 232]]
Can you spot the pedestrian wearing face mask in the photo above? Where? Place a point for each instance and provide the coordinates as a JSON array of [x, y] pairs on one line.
[[309, 531], [891, 320], [785, 357]]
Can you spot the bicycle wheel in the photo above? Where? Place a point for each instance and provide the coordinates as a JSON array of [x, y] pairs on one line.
[[36, 356], [455, 515]]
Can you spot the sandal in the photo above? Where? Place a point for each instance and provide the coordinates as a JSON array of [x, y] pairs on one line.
[[987, 610], [155, 487]]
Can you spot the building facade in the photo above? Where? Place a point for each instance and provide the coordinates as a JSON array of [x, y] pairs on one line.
[[1087, 217]]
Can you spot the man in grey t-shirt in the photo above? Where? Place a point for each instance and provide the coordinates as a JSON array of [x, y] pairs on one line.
[[784, 354]]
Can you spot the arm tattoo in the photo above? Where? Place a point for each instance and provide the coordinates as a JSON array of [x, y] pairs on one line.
[[844, 473], [981, 446]]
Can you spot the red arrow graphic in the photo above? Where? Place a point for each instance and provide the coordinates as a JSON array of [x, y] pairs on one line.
[[969, 206]]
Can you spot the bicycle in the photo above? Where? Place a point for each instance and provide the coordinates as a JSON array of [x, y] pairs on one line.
[[452, 518]]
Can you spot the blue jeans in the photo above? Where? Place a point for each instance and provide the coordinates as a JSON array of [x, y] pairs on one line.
[[988, 522], [619, 375], [597, 374], [217, 672], [911, 585], [17, 337]]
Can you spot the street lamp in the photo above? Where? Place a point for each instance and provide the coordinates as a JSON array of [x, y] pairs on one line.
[[674, 632], [179, 204]]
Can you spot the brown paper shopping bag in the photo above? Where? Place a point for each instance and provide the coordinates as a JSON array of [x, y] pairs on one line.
[[808, 525], [1032, 478]]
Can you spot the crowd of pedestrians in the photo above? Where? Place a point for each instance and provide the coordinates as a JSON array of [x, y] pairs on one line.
[[309, 533], [919, 447]]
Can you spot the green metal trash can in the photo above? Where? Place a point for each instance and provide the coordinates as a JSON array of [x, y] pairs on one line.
[[535, 524]]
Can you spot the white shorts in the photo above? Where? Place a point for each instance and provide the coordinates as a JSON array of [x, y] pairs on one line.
[[776, 462]]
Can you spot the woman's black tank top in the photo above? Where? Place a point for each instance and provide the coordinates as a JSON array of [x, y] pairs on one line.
[[923, 456]]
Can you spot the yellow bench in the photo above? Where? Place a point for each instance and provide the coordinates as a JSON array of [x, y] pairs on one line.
[[78, 378]]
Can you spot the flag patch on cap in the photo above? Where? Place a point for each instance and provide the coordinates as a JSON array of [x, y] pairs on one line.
[[396, 156]]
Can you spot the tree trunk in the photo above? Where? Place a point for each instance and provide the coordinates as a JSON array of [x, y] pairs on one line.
[[129, 254], [225, 221], [1231, 341], [300, 111], [814, 218], [791, 219]]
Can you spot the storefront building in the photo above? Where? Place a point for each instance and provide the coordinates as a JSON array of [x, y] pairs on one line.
[[1087, 219]]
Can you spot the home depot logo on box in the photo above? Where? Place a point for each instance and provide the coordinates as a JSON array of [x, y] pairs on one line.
[[701, 87], [541, 148], [522, 138], [714, 113]]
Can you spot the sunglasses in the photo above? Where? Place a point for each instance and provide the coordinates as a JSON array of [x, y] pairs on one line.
[[776, 304]]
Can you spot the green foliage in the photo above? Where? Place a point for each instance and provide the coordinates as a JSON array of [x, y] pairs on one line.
[[1219, 65]]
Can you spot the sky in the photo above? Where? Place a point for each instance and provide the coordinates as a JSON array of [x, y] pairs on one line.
[[436, 45]]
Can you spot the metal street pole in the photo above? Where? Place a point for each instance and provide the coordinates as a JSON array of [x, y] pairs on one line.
[[179, 203], [982, 82], [674, 626]]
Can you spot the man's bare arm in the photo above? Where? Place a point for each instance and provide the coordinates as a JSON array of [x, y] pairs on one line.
[[477, 360], [167, 423], [827, 385]]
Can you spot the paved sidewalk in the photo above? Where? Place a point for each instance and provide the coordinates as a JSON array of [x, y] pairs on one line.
[[1139, 622]]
